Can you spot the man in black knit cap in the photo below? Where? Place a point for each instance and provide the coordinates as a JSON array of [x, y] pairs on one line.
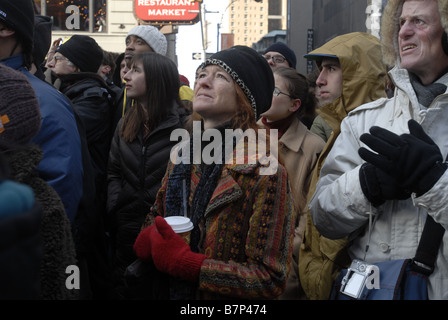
[[75, 64], [280, 55]]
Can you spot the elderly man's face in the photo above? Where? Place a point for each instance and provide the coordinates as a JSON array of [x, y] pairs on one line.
[[420, 41]]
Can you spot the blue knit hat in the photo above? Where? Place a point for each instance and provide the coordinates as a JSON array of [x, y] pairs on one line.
[[282, 48]]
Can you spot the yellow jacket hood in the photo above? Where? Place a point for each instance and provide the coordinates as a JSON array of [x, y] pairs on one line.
[[363, 74]]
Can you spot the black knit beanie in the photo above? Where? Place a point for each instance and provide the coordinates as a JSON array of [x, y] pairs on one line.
[[250, 71], [282, 48], [83, 51], [20, 116], [19, 16]]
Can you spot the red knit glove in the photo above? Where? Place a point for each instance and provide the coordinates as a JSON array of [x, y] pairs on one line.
[[169, 252]]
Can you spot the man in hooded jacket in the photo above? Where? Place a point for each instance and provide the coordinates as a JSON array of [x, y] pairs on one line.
[[363, 80], [405, 181]]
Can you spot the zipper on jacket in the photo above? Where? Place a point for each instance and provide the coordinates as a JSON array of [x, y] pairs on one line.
[[142, 168]]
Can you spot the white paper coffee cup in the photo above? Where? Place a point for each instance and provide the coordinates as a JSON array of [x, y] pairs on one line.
[[181, 225]]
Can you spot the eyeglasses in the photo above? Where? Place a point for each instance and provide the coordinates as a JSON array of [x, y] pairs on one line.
[[59, 58], [276, 59], [277, 92]]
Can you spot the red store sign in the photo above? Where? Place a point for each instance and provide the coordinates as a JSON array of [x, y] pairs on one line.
[[167, 11]]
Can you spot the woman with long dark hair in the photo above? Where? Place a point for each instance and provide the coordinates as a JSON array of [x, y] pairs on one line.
[[140, 151]]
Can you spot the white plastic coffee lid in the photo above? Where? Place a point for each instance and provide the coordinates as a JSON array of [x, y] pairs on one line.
[[180, 224]]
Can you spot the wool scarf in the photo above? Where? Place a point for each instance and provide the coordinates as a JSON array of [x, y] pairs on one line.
[[176, 203], [281, 125], [426, 94], [179, 184]]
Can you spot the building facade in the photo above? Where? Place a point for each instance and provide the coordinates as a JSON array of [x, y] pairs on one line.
[[302, 24], [250, 20], [313, 23], [112, 20]]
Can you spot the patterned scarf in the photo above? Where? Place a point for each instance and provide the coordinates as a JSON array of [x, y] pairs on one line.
[[177, 194], [178, 191]]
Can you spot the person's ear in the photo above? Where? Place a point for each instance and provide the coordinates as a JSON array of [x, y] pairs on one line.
[[296, 103], [5, 31]]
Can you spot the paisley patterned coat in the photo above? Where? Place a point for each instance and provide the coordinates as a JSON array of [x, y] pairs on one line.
[[249, 228]]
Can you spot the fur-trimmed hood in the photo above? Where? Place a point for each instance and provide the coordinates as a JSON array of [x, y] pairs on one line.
[[390, 28]]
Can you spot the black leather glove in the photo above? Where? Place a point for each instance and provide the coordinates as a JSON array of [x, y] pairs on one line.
[[413, 159], [378, 186]]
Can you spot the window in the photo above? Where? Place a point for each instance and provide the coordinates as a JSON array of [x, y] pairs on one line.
[[88, 9]]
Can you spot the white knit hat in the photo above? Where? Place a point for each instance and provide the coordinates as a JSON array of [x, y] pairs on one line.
[[152, 36]]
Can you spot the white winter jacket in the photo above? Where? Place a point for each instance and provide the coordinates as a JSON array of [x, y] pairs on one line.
[[339, 207]]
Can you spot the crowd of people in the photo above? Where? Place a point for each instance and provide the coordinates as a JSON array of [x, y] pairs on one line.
[[89, 169]]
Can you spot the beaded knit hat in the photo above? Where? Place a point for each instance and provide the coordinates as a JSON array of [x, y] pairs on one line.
[[250, 71], [20, 116]]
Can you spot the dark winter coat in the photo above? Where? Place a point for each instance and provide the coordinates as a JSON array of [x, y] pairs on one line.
[[20, 255], [92, 98], [58, 246], [58, 137], [135, 173]]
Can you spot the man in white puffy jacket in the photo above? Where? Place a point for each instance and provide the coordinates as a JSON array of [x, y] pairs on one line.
[[405, 178]]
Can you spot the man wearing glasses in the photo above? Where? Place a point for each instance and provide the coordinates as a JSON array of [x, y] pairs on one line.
[[279, 55]]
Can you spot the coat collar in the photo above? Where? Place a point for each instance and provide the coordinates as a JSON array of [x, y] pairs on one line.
[[295, 135]]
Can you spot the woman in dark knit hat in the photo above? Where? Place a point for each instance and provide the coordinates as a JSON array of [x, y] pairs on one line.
[[241, 244]]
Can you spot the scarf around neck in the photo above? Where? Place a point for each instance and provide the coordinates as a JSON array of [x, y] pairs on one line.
[[426, 94], [179, 186], [281, 125]]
